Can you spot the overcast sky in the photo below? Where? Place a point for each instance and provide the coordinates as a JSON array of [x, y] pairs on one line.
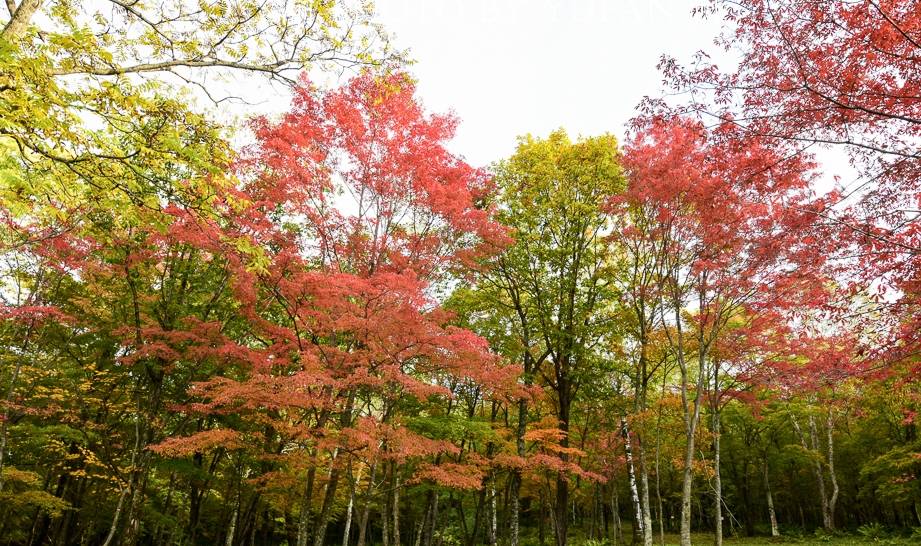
[[510, 67]]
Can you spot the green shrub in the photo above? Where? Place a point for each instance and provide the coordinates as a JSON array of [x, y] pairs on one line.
[[873, 531]]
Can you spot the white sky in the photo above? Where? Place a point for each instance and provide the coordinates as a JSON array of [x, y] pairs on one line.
[[511, 67]]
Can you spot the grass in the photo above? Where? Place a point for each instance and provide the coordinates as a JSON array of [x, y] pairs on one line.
[[704, 539]]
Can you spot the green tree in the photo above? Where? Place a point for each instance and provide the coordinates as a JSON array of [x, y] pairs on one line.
[[551, 285]]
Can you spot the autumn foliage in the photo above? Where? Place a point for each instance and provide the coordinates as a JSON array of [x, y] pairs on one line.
[[332, 329]]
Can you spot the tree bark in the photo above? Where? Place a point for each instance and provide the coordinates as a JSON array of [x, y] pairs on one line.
[[692, 418], [634, 493], [515, 489], [561, 517], [396, 505], [615, 516], [350, 508], [717, 481], [658, 471], [366, 513], [833, 501], [493, 523], [303, 523], [691, 412], [231, 530], [717, 478], [431, 519], [514, 507], [332, 483], [19, 20], [770, 500], [644, 493], [827, 521]]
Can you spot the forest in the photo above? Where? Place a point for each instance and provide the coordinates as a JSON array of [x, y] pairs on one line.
[[326, 327]]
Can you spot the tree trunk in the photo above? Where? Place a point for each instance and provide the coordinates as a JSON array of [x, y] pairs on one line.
[[717, 481], [385, 517], [350, 508], [493, 523], [658, 466], [692, 418], [644, 493], [332, 482], [770, 500], [231, 530], [118, 512], [303, 523], [640, 386], [634, 493], [520, 431], [717, 478], [514, 507], [129, 488], [833, 501], [366, 513], [827, 520], [431, 519], [396, 505], [615, 516], [561, 517]]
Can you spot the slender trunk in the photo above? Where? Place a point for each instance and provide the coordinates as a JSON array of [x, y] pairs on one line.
[[640, 386], [493, 523], [231, 530], [349, 509], [827, 521], [520, 449], [644, 492], [717, 481], [833, 501], [717, 478], [561, 517], [365, 514], [691, 419], [116, 517], [396, 506], [615, 516], [816, 467], [303, 522], [431, 519], [514, 507], [129, 488], [634, 494], [147, 406], [770, 500], [332, 482], [420, 525], [658, 466], [385, 517], [133, 529]]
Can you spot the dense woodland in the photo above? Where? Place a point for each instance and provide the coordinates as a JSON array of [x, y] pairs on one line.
[[339, 332]]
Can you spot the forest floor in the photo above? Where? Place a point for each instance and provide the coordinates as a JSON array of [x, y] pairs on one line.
[[704, 539]]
